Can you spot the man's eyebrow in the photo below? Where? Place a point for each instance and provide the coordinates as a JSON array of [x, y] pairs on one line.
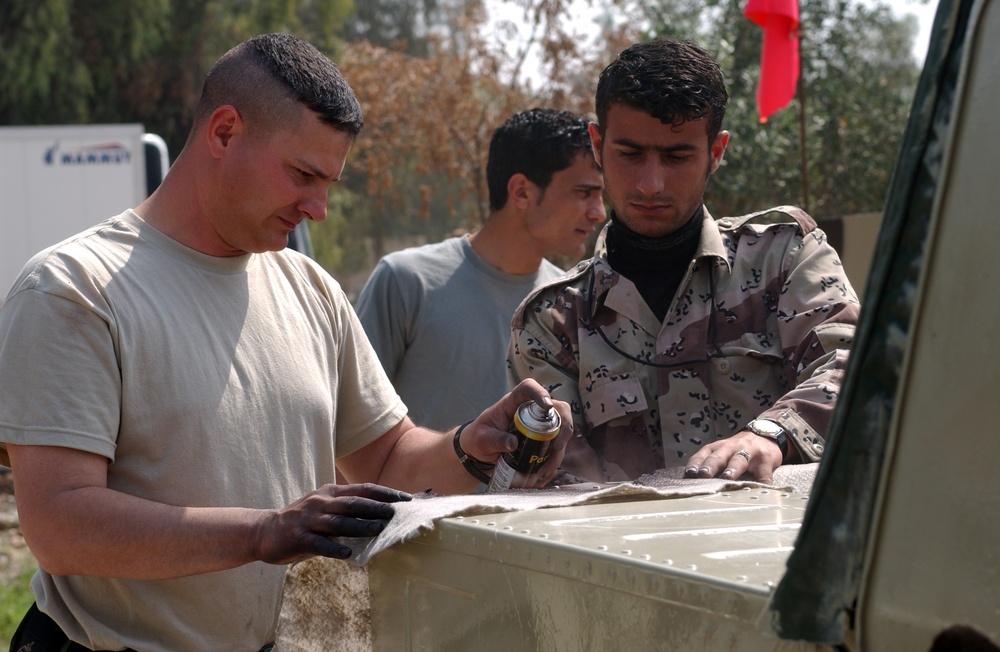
[[631, 144], [313, 170]]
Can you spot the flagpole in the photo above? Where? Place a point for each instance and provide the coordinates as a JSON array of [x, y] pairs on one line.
[[802, 144]]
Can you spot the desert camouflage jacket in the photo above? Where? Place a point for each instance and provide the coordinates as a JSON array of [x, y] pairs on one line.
[[760, 326]]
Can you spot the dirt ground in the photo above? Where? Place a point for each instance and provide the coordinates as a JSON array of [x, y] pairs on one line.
[[14, 554]]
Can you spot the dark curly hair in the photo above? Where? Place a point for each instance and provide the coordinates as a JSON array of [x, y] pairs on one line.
[[536, 143], [673, 80]]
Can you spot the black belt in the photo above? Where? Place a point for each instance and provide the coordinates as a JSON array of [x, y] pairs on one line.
[[39, 633]]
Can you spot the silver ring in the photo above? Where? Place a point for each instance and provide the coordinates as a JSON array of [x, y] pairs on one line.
[[745, 455]]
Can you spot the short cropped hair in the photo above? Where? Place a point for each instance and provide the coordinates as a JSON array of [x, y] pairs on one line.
[[268, 77], [536, 143], [673, 80]]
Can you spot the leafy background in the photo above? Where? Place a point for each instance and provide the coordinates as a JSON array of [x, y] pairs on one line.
[[434, 84]]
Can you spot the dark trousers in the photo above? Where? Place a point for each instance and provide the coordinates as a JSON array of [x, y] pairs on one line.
[[39, 633]]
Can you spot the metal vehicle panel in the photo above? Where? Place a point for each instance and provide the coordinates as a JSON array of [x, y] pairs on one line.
[[691, 573]]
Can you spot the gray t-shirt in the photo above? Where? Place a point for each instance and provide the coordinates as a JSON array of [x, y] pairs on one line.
[[439, 319], [206, 382]]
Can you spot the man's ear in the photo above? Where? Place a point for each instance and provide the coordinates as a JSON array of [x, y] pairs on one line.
[[224, 122], [596, 139], [719, 149], [519, 190]]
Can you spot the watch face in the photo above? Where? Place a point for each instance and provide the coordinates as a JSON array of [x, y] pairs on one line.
[[766, 428]]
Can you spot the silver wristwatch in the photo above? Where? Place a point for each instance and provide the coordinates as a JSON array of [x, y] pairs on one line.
[[770, 430]]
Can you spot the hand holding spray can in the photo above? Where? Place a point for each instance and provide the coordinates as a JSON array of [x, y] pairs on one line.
[[536, 428]]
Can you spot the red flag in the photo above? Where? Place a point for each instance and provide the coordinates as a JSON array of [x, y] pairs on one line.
[[779, 56]]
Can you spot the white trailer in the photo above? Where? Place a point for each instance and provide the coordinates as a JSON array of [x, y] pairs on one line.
[[58, 180]]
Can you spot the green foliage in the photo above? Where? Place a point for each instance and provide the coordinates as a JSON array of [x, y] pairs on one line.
[[397, 24], [40, 70], [15, 598], [94, 61]]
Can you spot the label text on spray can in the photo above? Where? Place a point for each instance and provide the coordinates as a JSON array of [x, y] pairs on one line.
[[535, 428]]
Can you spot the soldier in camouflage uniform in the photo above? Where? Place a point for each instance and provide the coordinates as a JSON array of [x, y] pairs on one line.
[[717, 344]]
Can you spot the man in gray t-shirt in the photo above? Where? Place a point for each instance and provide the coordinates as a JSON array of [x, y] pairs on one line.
[[439, 315]]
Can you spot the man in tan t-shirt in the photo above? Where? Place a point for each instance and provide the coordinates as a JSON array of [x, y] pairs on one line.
[[179, 389]]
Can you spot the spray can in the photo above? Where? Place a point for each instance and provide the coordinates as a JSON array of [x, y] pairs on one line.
[[536, 428]]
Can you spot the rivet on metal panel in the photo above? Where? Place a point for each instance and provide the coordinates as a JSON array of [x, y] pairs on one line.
[[474, 542], [509, 528], [692, 567], [543, 535], [626, 552], [647, 557], [668, 562], [631, 578], [602, 548], [680, 589], [704, 596], [725, 495], [613, 573], [492, 523], [754, 497], [491, 545], [742, 578], [587, 569], [525, 531]]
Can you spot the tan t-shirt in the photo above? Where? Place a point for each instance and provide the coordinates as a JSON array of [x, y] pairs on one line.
[[206, 382]]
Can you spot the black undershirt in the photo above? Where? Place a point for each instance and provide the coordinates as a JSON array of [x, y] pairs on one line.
[[655, 265]]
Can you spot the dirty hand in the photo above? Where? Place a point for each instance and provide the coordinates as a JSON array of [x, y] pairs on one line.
[[489, 435], [731, 458], [303, 529]]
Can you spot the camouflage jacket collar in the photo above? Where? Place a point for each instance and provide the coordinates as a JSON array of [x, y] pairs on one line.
[[603, 278]]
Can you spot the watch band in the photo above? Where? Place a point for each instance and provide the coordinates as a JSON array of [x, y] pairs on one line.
[[476, 468], [780, 437]]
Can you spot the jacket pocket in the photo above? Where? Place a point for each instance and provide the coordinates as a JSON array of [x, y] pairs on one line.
[[612, 396]]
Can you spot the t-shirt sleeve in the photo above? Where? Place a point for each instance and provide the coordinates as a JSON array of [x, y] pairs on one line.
[[367, 404], [59, 374]]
